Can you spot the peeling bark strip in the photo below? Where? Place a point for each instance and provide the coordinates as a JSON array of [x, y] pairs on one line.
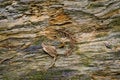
[[65, 33]]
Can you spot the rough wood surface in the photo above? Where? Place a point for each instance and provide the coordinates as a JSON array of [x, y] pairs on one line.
[[25, 24]]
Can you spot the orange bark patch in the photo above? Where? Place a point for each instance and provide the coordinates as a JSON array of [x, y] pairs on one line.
[[60, 19]]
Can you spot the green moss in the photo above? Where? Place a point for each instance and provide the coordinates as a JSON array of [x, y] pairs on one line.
[[3, 17], [86, 29], [49, 75], [95, 5], [37, 76], [40, 40], [86, 61], [34, 75], [116, 28], [77, 52], [101, 34], [84, 42], [6, 3], [85, 57], [37, 42], [37, 23], [81, 77], [10, 76], [84, 52], [23, 8], [115, 24], [77, 77]]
